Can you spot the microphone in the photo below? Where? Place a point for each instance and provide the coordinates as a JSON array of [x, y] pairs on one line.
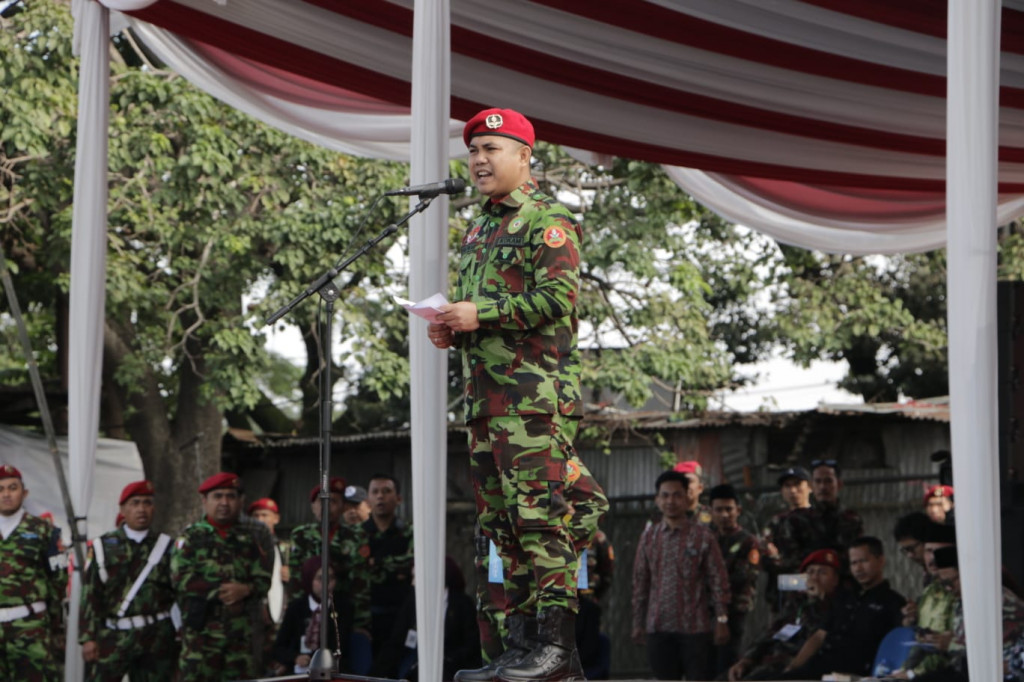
[[432, 189]]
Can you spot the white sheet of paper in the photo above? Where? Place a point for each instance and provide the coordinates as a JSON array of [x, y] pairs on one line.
[[428, 308]]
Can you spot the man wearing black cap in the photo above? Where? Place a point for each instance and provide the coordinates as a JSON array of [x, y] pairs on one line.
[[789, 535], [514, 317]]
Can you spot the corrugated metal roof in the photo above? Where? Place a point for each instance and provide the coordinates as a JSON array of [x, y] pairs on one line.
[[931, 409]]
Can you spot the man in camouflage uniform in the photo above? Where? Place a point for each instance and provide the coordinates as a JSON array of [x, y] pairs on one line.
[[349, 552], [514, 317], [391, 556], [789, 536], [220, 568], [124, 629], [32, 584], [742, 562], [786, 635], [834, 526]]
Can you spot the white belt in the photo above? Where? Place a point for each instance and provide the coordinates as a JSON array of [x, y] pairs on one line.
[[132, 622], [18, 612]]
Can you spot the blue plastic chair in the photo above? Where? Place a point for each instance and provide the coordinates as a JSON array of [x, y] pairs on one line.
[[893, 651]]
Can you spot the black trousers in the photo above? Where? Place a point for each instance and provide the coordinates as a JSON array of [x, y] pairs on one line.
[[723, 656], [672, 655]]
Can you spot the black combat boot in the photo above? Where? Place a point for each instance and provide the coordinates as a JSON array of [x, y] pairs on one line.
[[554, 657], [522, 630]]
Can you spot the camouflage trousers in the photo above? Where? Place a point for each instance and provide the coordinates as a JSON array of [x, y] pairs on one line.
[[26, 651], [148, 654], [540, 505], [221, 650]]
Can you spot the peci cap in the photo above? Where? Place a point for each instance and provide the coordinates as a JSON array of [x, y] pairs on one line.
[[821, 557], [794, 472], [938, 491], [135, 489], [503, 122], [335, 485], [224, 479], [263, 503], [7, 471], [355, 494]]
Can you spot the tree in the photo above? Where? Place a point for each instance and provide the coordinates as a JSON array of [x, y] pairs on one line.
[[206, 205]]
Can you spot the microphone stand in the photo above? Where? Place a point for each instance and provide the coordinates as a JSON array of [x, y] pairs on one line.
[[322, 665]]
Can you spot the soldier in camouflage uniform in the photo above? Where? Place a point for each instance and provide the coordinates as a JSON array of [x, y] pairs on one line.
[[32, 584], [122, 635], [349, 552], [786, 635], [742, 556], [515, 319], [834, 526], [220, 568], [391, 557], [789, 536]]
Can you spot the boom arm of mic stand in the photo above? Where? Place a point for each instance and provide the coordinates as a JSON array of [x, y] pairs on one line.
[[326, 281]]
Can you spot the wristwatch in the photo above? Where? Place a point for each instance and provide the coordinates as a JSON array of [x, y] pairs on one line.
[[723, 619]]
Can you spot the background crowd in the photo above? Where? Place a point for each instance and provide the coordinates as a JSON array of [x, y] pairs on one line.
[[231, 598]]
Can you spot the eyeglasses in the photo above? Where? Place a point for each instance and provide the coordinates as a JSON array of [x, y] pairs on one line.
[[815, 463], [910, 549]]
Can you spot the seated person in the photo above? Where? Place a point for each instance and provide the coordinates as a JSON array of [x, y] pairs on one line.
[[932, 616], [860, 619], [299, 634], [770, 654]]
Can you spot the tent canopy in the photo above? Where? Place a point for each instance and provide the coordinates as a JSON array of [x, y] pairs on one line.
[[826, 119]]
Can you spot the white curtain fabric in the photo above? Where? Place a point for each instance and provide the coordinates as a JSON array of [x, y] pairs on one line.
[[971, 289], [88, 278], [833, 235], [428, 251]]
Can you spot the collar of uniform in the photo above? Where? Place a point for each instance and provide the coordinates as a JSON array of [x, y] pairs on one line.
[[516, 197], [135, 535], [220, 528], [9, 523]]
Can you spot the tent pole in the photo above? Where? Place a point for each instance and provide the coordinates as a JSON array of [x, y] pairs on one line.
[[428, 249], [971, 172], [88, 278]]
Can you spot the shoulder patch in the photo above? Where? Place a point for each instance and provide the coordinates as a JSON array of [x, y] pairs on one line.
[[572, 470], [555, 237]]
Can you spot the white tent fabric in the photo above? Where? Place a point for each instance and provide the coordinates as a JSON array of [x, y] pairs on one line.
[[971, 291], [428, 244], [88, 274], [794, 90]]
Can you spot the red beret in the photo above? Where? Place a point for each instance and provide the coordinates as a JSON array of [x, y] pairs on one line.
[[335, 485], [224, 479], [689, 467], [7, 471], [263, 503], [938, 491], [822, 557], [503, 122], [137, 488]]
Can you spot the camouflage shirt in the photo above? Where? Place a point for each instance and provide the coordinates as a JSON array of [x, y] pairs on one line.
[[33, 567], [350, 554], [742, 563], [391, 558], [520, 266], [777, 647], [202, 560], [835, 528]]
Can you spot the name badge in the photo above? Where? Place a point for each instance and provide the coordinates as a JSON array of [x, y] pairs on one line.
[[494, 565]]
